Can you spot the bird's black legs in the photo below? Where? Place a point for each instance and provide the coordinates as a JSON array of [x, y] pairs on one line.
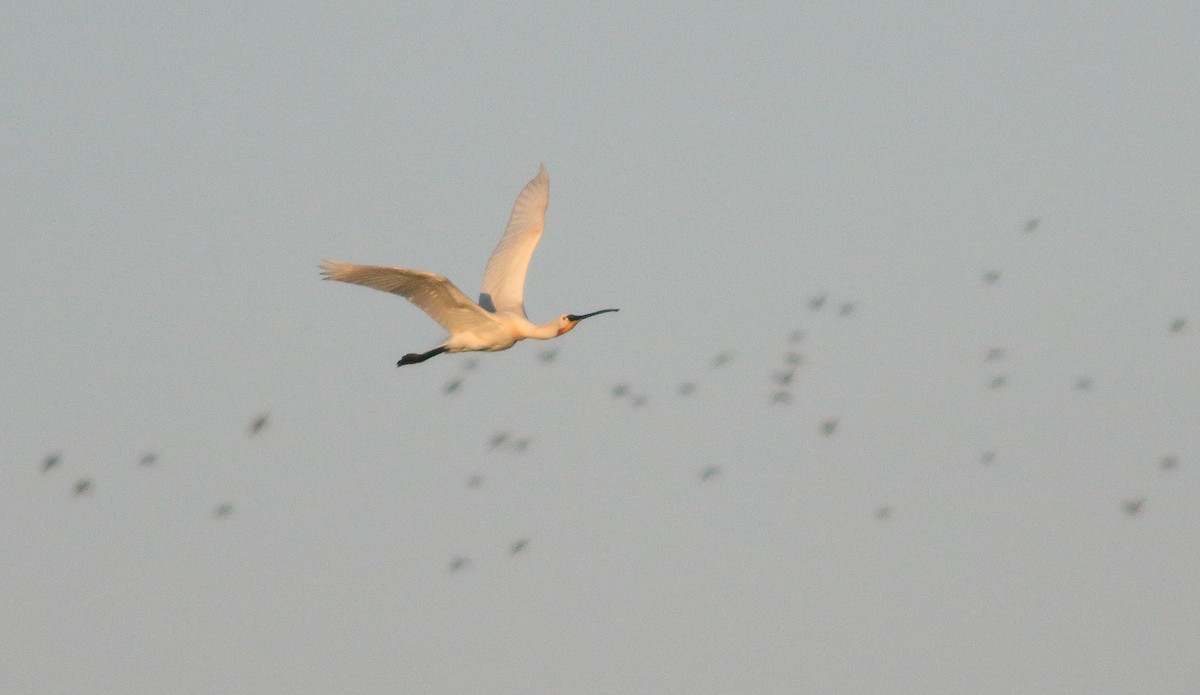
[[415, 357]]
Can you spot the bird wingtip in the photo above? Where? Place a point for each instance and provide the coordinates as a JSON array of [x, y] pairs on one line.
[[329, 267]]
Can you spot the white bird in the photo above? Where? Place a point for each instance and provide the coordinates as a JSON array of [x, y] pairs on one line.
[[498, 320]]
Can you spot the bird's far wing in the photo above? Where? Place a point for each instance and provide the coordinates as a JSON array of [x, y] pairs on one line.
[[432, 293], [504, 278]]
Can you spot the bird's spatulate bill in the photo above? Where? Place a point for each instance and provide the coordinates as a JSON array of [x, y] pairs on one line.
[[580, 317]]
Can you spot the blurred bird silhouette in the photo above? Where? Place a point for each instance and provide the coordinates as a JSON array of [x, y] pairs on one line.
[[258, 424]]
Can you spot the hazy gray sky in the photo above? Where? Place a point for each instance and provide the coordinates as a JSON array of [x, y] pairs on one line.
[[173, 176]]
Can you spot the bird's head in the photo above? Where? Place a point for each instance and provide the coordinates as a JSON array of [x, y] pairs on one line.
[[568, 321]]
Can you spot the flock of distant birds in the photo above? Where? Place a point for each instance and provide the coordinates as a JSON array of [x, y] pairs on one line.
[[782, 378], [84, 486]]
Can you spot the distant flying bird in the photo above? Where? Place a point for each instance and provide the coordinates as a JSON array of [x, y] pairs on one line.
[[1083, 383], [620, 390], [452, 386], [50, 461], [520, 445], [498, 321], [784, 377], [796, 336], [817, 302], [149, 459], [638, 400], [222, 510], [846, 309], [995, 354], [883, 512], [722, 359], [548, 355], [999, 381], [499, 438], [1031, 224], [459, 563], [781, 398], [991, 276], [794, 358], [1169, 463], [687, 388], [987, 457], [518, 545], [829, 426], [258, 424], [1178, 324], [83, 486], [1134, 507], [475, 481], [709, 473]]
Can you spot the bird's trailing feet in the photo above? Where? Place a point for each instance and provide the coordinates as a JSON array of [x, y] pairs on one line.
[[415, 357]]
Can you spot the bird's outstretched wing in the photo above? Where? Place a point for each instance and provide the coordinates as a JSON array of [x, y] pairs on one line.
[[432, 293], [504, 278]]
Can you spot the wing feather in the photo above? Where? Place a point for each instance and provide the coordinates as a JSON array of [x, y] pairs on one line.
[[504, 278], [430, 292]]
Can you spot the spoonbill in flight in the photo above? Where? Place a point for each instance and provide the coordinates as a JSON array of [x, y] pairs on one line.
[[498, 321]]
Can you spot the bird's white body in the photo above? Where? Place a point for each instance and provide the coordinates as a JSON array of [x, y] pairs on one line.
[[498, 320]]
